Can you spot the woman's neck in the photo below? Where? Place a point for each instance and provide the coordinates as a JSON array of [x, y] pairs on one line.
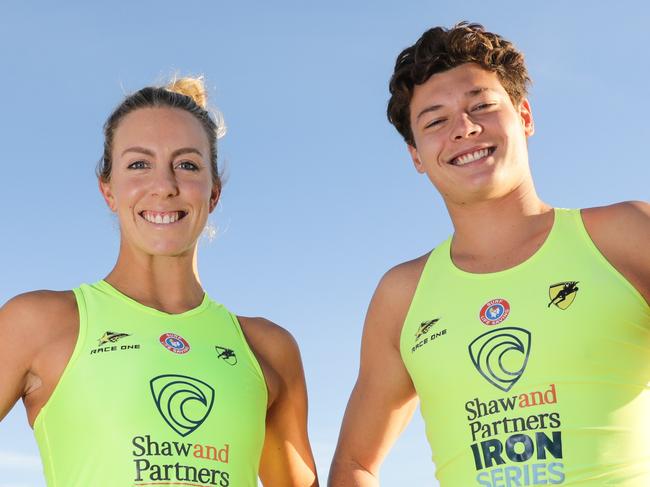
[[168, 284]]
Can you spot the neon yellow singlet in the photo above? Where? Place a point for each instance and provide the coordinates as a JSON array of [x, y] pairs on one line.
[[536, 375], [150, 398]]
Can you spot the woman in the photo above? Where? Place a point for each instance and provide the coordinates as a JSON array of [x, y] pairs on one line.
[[140, 378]]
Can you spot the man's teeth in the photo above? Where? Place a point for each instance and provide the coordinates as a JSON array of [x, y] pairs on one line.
[[471, 157], [165, 218]]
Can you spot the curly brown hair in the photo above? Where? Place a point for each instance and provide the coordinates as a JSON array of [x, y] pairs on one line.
[[441, 49]]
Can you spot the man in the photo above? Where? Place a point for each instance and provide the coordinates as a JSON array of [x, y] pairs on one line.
[[529, 346]]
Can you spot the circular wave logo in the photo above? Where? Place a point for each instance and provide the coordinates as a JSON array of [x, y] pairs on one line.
[[494, 312], [174, 343], [501, 355], [183, 402]]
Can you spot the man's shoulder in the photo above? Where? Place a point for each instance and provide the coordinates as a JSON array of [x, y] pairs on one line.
[[618, 226], [393, 296], [621, 233], [402, 279]]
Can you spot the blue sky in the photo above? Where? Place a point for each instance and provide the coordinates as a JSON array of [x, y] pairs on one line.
[[321, 197]]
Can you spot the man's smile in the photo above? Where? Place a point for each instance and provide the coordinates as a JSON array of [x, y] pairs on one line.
[[471, 156]]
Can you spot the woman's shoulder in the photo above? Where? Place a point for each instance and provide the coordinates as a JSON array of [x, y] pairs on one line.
[[37, 313], [277, 353], [276, 344]]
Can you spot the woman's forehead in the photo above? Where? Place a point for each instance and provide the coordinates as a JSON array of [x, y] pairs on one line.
[[154, 126]]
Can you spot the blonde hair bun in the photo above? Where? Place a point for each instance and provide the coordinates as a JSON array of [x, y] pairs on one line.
[[192, 87]]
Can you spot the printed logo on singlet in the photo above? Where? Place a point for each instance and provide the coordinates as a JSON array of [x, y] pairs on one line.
[[501, 355], [513, 438], [562, 294], [111, 336], [424, 328], [423, 331], [494, 312], [174, 343], [183, 402], [107, 340], [226, 354]]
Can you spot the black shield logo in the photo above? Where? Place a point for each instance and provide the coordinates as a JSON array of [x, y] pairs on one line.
[[501, 355], [183, 402]]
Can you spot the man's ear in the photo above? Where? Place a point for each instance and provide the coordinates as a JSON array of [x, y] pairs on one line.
[[107, 193], [415, 157], [526, 115]]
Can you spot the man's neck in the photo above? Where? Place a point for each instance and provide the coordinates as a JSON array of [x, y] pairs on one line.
[[500, 233]]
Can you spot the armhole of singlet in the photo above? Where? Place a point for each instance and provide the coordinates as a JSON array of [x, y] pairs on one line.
[[577, 215], [249, 352], [416, 295], [81, 337]]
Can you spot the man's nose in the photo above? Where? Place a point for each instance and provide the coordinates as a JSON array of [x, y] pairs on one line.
[[465, 127]]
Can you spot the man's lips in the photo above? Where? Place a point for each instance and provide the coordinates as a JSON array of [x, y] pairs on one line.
[[162, 217], [471, 155]]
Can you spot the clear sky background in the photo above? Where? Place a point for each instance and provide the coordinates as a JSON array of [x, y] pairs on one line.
[[321, 198]]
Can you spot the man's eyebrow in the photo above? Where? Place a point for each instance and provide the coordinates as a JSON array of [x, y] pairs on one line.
[[431, 108], [176, 153], [476, 91], [470, 93]]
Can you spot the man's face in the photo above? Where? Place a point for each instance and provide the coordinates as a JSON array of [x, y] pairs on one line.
[[469, 137]]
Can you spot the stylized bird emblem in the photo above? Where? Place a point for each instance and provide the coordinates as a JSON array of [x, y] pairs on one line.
[[424, 328], [112, 337]]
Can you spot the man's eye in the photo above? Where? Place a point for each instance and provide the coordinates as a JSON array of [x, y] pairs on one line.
[[138, 165], [188, 165], [433, 123], [482, 106]]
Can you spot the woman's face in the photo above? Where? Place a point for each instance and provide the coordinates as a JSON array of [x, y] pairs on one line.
[[161, 184]]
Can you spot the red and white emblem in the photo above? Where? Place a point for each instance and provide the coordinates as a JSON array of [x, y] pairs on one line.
[[494, 312], [174, 343]]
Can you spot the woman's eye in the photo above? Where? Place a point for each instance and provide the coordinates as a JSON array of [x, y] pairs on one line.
[[138, 165], [188, 165]]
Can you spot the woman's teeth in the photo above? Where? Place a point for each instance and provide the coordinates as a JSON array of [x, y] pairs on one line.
[[162, 218]]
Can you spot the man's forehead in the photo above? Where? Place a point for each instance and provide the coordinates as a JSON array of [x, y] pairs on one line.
[[469, 78], [447, 86]]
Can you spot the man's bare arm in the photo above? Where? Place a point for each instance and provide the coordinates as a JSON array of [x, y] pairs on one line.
[[622, 234], [383, 399]]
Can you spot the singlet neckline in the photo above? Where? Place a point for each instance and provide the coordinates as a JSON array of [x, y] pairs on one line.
[[559, 214], [105, 286]]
